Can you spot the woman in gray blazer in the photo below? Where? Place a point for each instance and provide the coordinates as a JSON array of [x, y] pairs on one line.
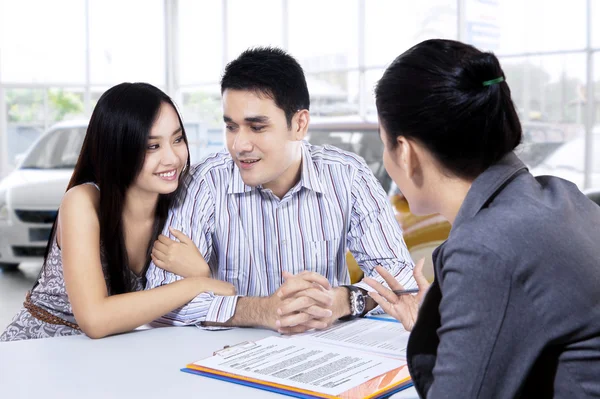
[[514, 310]]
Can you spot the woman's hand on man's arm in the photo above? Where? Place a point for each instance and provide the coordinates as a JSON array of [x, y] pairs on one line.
[[182, 258]]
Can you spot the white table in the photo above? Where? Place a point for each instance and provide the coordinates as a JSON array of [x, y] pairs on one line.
[[140, 364]]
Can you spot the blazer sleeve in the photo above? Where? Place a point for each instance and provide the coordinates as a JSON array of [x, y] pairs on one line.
[[476, 288]]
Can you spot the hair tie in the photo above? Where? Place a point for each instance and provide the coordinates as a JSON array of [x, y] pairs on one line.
[[493, 81]]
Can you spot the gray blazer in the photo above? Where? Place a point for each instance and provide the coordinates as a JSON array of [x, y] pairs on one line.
[[515, 307]]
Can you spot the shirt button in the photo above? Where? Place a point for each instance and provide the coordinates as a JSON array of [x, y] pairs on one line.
[[283, 242]]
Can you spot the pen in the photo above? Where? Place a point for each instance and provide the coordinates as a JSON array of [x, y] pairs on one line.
[[404, 292]]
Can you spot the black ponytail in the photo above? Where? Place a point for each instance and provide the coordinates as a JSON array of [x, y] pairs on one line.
[[453, 99]]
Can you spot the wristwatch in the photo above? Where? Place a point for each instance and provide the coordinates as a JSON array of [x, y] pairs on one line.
[[358, 303]]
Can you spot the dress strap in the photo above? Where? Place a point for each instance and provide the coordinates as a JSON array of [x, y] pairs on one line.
[[93, 184]]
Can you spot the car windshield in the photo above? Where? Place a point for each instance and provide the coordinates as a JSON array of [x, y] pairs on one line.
[[56, 150], [366, 144]]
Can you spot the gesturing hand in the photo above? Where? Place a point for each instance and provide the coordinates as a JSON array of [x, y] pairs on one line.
[[403, 308], [181, 258]]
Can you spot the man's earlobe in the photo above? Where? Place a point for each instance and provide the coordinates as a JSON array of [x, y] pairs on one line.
[[302, 120]]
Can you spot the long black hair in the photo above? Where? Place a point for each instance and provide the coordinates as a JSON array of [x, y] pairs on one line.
[[112, 156], [453, 99]]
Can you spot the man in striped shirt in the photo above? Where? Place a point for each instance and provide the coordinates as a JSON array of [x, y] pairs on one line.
[[274, 215]]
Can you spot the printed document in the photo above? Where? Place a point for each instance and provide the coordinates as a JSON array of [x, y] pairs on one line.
[[331, 362]]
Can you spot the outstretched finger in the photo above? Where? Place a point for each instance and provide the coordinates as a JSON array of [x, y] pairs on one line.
[[401, 311], [419, 277], [180, 236], [382, 290], [389, 279]]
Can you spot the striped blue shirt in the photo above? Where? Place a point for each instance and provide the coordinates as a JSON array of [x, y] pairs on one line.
[[249, 236]]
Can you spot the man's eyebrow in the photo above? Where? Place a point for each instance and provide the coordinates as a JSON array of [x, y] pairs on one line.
[[257, 119], [178, 130], [250, 119]]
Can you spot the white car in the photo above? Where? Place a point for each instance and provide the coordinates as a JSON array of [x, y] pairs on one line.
[[31, 194], [567, 161]]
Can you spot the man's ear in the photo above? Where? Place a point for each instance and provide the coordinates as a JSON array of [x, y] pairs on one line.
[[300, 123]]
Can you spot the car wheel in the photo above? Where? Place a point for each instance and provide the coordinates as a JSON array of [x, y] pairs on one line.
[[8, 267]]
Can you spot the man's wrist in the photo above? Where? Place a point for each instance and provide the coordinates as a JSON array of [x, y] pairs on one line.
[[341, 302], [254, 312]]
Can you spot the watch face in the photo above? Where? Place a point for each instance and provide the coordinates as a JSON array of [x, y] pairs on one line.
[[360, 304]]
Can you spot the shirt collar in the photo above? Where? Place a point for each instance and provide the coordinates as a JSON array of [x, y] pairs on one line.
[[309, 177], [236, 184], [486, 185]]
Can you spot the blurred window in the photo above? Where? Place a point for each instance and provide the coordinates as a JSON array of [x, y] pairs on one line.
[[200, 41], [127, 41], [372, 76], [323, 35], [527, 26], [254, 23], [365, 143], [42, 41], [393, 26], [333, 93]]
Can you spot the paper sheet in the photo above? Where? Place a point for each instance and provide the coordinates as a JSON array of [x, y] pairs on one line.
[[374, 336], [302, 363]]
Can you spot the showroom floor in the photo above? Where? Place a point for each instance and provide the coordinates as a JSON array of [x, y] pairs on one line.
[[13, 287]]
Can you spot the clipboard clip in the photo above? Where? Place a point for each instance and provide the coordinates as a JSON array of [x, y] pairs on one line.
[[230, 350]]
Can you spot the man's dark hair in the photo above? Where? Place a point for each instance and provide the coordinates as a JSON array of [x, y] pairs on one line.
[[271, 72]]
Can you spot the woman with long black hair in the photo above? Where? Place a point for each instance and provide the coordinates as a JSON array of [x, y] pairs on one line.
[[129, 172]]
